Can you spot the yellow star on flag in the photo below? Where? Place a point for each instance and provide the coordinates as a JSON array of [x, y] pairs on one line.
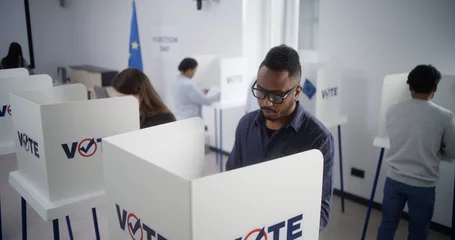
[[135, 45]]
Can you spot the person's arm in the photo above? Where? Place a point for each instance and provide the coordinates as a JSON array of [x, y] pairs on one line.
[[325, 145], [448, 141], [197, 96], [235, 157]]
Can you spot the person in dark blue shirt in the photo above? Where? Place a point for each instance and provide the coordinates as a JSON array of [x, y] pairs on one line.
[[281, 127]]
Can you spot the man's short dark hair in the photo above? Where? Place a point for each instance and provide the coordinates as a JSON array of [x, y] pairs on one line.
[[283, 58], [423, 78], [187, 64]]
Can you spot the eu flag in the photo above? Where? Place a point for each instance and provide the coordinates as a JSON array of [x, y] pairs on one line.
[[135, 59]]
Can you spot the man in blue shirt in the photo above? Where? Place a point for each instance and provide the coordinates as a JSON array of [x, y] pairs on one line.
[[281, 126]]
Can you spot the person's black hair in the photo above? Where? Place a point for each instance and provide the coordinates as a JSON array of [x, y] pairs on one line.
[[14, 59], [283, 58], [424, 78], [187, 64]]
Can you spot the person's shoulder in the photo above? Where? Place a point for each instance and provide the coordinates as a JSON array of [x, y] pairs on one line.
[[158, 119], [444, 113], [316, 126], [247, 119]]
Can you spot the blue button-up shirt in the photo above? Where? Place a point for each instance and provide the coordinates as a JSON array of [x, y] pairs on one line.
[[253, 145]]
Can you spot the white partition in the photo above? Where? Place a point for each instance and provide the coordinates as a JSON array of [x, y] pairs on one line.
[[322, 93], [14, 72], [7, 86], [395, 89], [229, 76], [59, 143], [156, 190]]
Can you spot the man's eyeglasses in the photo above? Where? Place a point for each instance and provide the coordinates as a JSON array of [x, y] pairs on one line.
[[273, 97]]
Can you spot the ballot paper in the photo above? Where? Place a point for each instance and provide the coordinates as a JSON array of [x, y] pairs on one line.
[[213, 91]]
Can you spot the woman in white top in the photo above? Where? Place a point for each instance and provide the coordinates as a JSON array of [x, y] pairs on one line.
[[188, 97]]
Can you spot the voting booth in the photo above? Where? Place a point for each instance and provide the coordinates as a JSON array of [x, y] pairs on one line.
[[13, 72], [228, 76], [58, 134], [155, 192], [17, 80], [322, 92], [321, 96], [395, 89]]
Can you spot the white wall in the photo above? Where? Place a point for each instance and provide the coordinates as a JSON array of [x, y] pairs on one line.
[[372, 39], [14, 28]]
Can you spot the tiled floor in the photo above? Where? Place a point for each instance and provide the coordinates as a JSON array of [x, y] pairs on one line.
[[342, 226]]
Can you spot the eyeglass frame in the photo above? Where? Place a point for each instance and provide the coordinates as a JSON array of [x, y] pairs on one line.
[[267, 93]]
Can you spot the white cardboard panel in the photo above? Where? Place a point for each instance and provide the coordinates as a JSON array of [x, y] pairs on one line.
[[7, 86], [160, 189], [234, 80], [55, 95], [208, 71], [328, 93], [147, 173], [325, 104], [235, 203], [395, 89], [68, 135], [180, 151], [28, 129], [73, 133], [149, 195], [15, 72]]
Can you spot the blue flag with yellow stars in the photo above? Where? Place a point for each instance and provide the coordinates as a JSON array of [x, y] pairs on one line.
[[135, 59]]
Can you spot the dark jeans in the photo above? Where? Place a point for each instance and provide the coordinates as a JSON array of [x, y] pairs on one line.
[[421, 206]]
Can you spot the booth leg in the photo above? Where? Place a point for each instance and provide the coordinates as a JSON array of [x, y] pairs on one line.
[[373, 191], [341, 168], [221, 141], [95, 224], [24, 218], [453, 213], [56, 229], [216, 136], [70, 230], [1, 232]]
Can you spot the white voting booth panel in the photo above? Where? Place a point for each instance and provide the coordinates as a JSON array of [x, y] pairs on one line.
[[7, 86], [15, 72], [229, 76], [322, 92], [58, 143], [395, 90], [226, 74], [156, 190]]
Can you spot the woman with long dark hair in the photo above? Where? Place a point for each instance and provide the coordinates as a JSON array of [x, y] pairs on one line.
[[153, 111], [14, 59]]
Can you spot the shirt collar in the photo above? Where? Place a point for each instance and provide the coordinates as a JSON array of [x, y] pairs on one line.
[[295, 123]]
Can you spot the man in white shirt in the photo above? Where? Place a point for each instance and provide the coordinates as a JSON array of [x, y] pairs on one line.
[[421, 135], [188, 97]]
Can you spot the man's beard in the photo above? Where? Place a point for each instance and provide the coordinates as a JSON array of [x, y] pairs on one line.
[[279, 114]]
